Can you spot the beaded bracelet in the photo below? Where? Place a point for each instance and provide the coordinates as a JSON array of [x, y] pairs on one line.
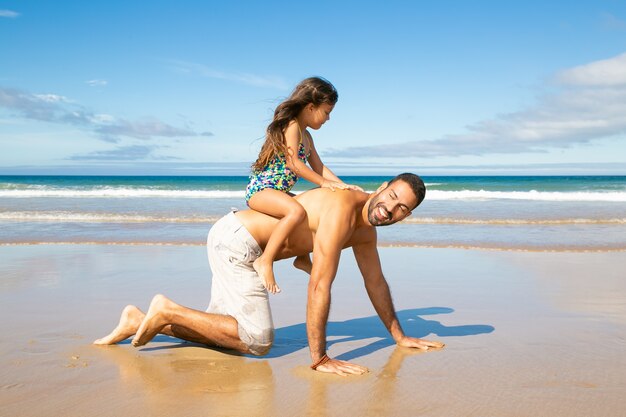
[[321, 362]]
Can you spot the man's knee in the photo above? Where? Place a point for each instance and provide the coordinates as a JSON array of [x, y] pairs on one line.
[[259, 343]]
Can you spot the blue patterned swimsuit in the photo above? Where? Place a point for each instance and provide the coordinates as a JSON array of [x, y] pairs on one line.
[[275, 175]]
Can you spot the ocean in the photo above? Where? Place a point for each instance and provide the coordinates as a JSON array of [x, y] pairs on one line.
[[541, 213]]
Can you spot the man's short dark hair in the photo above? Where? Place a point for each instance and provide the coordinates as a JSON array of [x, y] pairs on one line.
[[416, 183]]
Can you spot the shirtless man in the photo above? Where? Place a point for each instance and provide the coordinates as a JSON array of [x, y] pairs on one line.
[[239, 316]]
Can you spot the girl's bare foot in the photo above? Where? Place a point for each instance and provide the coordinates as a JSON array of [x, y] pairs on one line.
[[303, 263], [129, 323], [266, 272]]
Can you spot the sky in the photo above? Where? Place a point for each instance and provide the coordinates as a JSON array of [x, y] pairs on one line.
[[435, 87]]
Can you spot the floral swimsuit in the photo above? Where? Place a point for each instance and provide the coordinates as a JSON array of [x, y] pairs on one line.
[[275, 174]]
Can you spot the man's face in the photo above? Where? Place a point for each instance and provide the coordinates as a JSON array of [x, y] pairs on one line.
[[391, 204]]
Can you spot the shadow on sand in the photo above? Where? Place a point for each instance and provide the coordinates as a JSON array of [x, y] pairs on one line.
[[290, 339], [293, 338]]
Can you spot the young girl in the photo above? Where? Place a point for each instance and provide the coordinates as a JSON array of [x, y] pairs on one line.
[[282, 160]]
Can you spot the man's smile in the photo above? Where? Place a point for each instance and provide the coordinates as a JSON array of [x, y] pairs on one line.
[[382, 214]]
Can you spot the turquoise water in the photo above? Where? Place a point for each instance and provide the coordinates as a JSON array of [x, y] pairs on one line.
[[225, 183], [529, 212]]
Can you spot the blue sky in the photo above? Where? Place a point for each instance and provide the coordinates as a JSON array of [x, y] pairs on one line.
[[446, 87]]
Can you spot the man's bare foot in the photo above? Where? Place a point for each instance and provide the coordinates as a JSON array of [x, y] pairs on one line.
[[154, 321], [130, 321], [266, 272], [303, 263]]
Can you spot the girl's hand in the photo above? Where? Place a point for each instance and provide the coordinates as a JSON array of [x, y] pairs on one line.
[[354, 187], [334, 185], [337, 185]]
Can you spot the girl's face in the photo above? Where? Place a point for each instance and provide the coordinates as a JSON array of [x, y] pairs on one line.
[[318, 115]]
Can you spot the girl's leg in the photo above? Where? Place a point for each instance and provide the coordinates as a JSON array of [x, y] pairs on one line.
[[291, 213]]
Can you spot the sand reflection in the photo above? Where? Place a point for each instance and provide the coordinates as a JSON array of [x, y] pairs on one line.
[[331, 394], [194, 379]]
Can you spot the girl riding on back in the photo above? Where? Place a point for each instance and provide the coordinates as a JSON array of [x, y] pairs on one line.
[[287, 149]]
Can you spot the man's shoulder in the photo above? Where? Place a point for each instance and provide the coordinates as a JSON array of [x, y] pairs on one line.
[[336, 203], [348, 198], [343, 207]]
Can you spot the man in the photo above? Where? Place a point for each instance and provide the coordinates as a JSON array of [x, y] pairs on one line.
[[239, 316]]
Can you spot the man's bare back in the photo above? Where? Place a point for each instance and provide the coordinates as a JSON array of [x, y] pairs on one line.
[[319, 204]]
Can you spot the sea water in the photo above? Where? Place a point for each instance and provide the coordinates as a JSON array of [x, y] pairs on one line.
[[500, 212]]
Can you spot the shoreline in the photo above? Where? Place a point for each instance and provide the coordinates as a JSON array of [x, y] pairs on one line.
[[529, 249]]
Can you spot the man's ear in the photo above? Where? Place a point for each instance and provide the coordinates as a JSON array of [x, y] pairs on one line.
[[382, 186]]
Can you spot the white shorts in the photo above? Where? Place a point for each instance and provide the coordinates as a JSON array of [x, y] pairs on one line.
[[236, 288]]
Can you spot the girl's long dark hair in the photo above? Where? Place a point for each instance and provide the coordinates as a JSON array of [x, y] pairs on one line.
[[313, 90]]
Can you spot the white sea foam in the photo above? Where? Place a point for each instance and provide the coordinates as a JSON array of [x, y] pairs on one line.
[[475, 195], [112, 192], [74, 217], [514, 222], [526, 195], [86, 217]]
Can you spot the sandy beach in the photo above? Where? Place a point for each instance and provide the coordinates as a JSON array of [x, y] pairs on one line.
[[526, 333]]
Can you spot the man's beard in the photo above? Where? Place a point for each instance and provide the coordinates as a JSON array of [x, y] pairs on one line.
[[374, 210]]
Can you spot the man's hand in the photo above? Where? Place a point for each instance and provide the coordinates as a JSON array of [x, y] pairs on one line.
[[414, 342], [343, 368]]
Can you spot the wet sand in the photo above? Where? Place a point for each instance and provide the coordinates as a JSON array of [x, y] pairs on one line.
[[526, 333]]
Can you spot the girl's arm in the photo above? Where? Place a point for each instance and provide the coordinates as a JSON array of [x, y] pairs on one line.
[[317, 164], [319, 167], [292, 137]]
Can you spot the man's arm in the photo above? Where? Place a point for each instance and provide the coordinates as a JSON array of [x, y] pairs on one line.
[[330, 237], [377, 288]]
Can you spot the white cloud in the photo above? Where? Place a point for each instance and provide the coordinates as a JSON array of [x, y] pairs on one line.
[[9, 13], [607, 72], [354, 167], [122, 153], [151, 166], [589, 104], [245, 78], [97, 83], [51, 98], [143, 129], [54, 108], [29, 106], [101, 119]]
